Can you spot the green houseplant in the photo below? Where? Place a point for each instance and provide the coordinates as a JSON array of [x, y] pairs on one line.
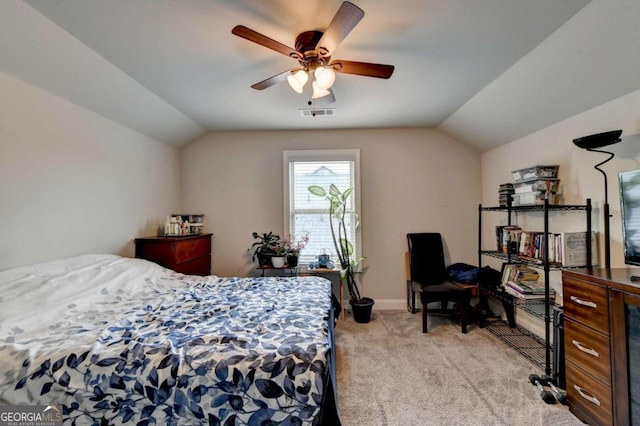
[[267, 245], [293, 247], [360, 306]]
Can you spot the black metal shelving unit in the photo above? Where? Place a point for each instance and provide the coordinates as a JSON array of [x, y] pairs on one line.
[[531, 346]]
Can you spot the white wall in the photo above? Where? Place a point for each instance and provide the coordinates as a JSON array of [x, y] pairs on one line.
[[413, 180], [73, 182]]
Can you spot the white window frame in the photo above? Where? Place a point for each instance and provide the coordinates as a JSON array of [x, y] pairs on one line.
[[322, 155]]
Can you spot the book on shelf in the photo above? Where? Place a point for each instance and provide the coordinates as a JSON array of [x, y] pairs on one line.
[[573, 249], [511, 239], [567, 249], [527, 287], [518, 272], [526, 274], [499, 243], [523, 296]]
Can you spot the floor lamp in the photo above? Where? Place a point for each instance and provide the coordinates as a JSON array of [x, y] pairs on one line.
[[590, 143]]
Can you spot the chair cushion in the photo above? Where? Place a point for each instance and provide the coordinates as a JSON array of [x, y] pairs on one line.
[[446, 286]]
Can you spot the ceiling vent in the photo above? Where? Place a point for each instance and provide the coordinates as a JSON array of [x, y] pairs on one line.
[[317, 112]]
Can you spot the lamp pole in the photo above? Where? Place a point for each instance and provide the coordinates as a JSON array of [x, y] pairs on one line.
[[607, 215]]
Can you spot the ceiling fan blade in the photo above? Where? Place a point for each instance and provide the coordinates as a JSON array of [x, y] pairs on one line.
[[271, 81], [262, 40], [362, 68], [346, 18]]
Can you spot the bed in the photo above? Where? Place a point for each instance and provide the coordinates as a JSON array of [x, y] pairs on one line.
[[114, 340]]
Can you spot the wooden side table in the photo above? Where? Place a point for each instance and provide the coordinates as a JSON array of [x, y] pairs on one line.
[[293, 270], [190, 254]]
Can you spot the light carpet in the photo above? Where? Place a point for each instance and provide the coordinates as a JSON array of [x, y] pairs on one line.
[[390, 373]]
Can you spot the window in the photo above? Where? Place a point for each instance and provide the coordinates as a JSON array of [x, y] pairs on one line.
[[306, 213]]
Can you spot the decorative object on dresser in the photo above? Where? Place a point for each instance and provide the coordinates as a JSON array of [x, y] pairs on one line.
[[602, 344], [187, 254], [183, 224], [590, 143]]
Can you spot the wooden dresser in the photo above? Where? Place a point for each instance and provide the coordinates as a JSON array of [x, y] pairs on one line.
[[598, 375], [188, 254]]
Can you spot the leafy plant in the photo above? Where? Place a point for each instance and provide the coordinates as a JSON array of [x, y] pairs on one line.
[[266, 244], [344, 248]]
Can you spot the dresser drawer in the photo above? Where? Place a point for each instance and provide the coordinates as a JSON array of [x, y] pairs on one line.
[[189, 249], [588, 349], [586, 303], [199, 266], [587, 395]]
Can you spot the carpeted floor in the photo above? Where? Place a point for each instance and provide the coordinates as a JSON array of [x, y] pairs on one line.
[[389, 373]]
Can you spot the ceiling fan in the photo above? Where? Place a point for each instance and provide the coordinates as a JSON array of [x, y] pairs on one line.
[[313, 50]]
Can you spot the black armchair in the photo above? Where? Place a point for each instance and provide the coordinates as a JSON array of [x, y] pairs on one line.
[[427, 276]]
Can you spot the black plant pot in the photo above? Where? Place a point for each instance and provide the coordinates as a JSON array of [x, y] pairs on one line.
[[362, 309], [292, 261], [264, 259]]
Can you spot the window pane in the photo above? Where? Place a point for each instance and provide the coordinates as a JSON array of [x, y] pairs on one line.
[[310, 213], [320, 240]]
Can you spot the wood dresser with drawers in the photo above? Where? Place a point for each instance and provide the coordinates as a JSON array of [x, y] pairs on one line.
[[186, 254], [602, 337]]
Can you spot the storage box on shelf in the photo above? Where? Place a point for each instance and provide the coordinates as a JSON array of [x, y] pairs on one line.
[[537, 185], [535, 172], [533, 185], [533, 198]]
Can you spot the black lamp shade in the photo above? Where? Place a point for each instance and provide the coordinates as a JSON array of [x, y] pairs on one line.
[[598, 140]]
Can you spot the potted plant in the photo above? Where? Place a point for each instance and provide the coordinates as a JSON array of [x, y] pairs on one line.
[[293, 248], [279, 256], [265, 247], [360, 306]]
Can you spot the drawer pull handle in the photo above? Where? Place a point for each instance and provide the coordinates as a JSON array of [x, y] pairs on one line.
[[585, 349], [583, 302], [586, 396]]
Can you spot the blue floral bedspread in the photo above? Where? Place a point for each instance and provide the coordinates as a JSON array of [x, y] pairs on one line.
[[114, 340]]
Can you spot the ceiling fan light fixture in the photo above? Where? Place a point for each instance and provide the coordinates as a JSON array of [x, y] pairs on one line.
[[317, 91], [297, 80], [325, 77]]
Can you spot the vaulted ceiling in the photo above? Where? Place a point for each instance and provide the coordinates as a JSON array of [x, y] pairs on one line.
[[485, 71]]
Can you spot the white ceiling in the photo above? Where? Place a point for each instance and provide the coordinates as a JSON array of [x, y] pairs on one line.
[[173, 70]]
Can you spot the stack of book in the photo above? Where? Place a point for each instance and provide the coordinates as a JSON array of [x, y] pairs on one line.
[[528, 290], [504, 192]]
